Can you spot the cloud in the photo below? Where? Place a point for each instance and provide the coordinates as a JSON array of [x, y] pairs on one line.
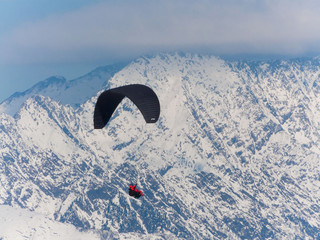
[[124, 28]]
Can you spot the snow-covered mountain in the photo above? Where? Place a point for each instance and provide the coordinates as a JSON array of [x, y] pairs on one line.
[[234, 155]]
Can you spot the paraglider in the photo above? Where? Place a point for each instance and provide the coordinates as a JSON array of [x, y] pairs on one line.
[[142, 96], [134, 192]]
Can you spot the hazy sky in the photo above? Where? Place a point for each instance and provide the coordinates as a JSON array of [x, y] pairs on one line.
[[41, 38]]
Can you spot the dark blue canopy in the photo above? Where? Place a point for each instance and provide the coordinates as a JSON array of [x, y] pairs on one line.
[[142, 96]]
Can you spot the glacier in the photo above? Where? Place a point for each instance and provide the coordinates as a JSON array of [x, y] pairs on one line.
[[234, 155]]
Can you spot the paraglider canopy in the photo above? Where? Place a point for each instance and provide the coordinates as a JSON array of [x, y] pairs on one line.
[[142, 96]]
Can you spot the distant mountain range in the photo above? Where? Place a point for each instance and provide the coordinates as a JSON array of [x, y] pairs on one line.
[[65, 92], [234, 155]]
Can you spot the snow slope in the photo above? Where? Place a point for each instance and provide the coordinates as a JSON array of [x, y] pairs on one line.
[[16, 223]]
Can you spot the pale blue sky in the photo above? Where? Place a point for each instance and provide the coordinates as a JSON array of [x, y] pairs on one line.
[[14, 14], [41, 38]]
